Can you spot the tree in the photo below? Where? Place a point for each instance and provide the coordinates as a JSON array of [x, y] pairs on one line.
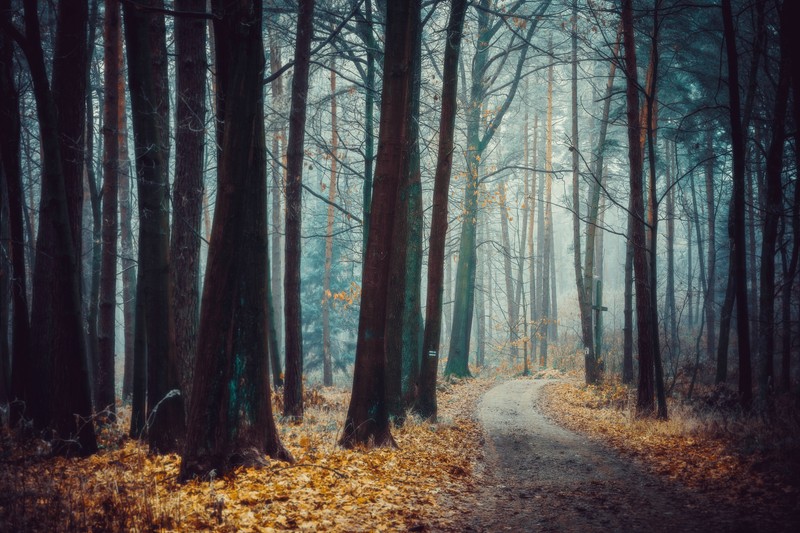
[[154, 319], [187, 191], [112, 42], [645, 389], [736, 229], [425, 404], [57, 338], [230, 417], [773, 210], [21, 386], [484, 71], [367, 421], [293, 383], [327, 367]]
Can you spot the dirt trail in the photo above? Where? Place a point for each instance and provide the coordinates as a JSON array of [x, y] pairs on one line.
[[538, 476]]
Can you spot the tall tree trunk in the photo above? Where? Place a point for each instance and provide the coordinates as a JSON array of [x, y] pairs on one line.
[[773, 211], [112, 39], [22, 385], [127, 260], [584, 289], [367, 421], [327, 366], [278, 182], [57, 335], [547, 221], [403, 341], [364, 28], [652, 214], [737, 234], [627, 328], [230, 419], [293, 385], [165, 408], [711, 250], [513, 306], [478, 138], [645, 390], [593, 362], [187, 190], [532, 201]]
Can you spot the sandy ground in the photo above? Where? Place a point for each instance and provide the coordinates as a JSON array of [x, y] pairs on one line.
[[538, 476]]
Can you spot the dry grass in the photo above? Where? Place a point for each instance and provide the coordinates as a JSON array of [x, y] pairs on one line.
[[704, 444]]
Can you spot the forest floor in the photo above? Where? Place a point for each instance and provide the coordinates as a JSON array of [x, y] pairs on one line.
[[529, 454], [538, 475]]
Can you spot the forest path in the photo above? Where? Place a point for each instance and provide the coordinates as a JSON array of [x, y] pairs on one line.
[[538, 476]]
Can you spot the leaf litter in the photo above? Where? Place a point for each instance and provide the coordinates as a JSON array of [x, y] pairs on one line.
[[419, 486]]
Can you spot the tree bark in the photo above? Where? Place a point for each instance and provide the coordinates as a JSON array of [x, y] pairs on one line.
[[61, 370], [737, 230], [327, 366], [773, 212], [230, 419], [367, 421], [165, 409], [187, 190], [293, 383], [22, 385], [645, 389], [426, 405], [112, 61]]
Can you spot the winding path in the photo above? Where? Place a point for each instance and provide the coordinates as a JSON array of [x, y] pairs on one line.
[[538, 476]]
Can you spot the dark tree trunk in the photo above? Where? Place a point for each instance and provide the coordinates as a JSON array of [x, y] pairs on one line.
[[22, 383], [737, 235], [425, 404], [367, 421], [645, 402], [104, 378], [293, 383], [166, 425], [230, 419], [57, 334], [403, 340], [773, 204], [187, 191]]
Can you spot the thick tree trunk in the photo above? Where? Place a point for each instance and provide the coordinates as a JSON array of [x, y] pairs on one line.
[[293, 385], [104, 378], [403, 308], [230, 419], [58, 338], [165, 408], [367, 421], [22, 385], [187, 191]]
